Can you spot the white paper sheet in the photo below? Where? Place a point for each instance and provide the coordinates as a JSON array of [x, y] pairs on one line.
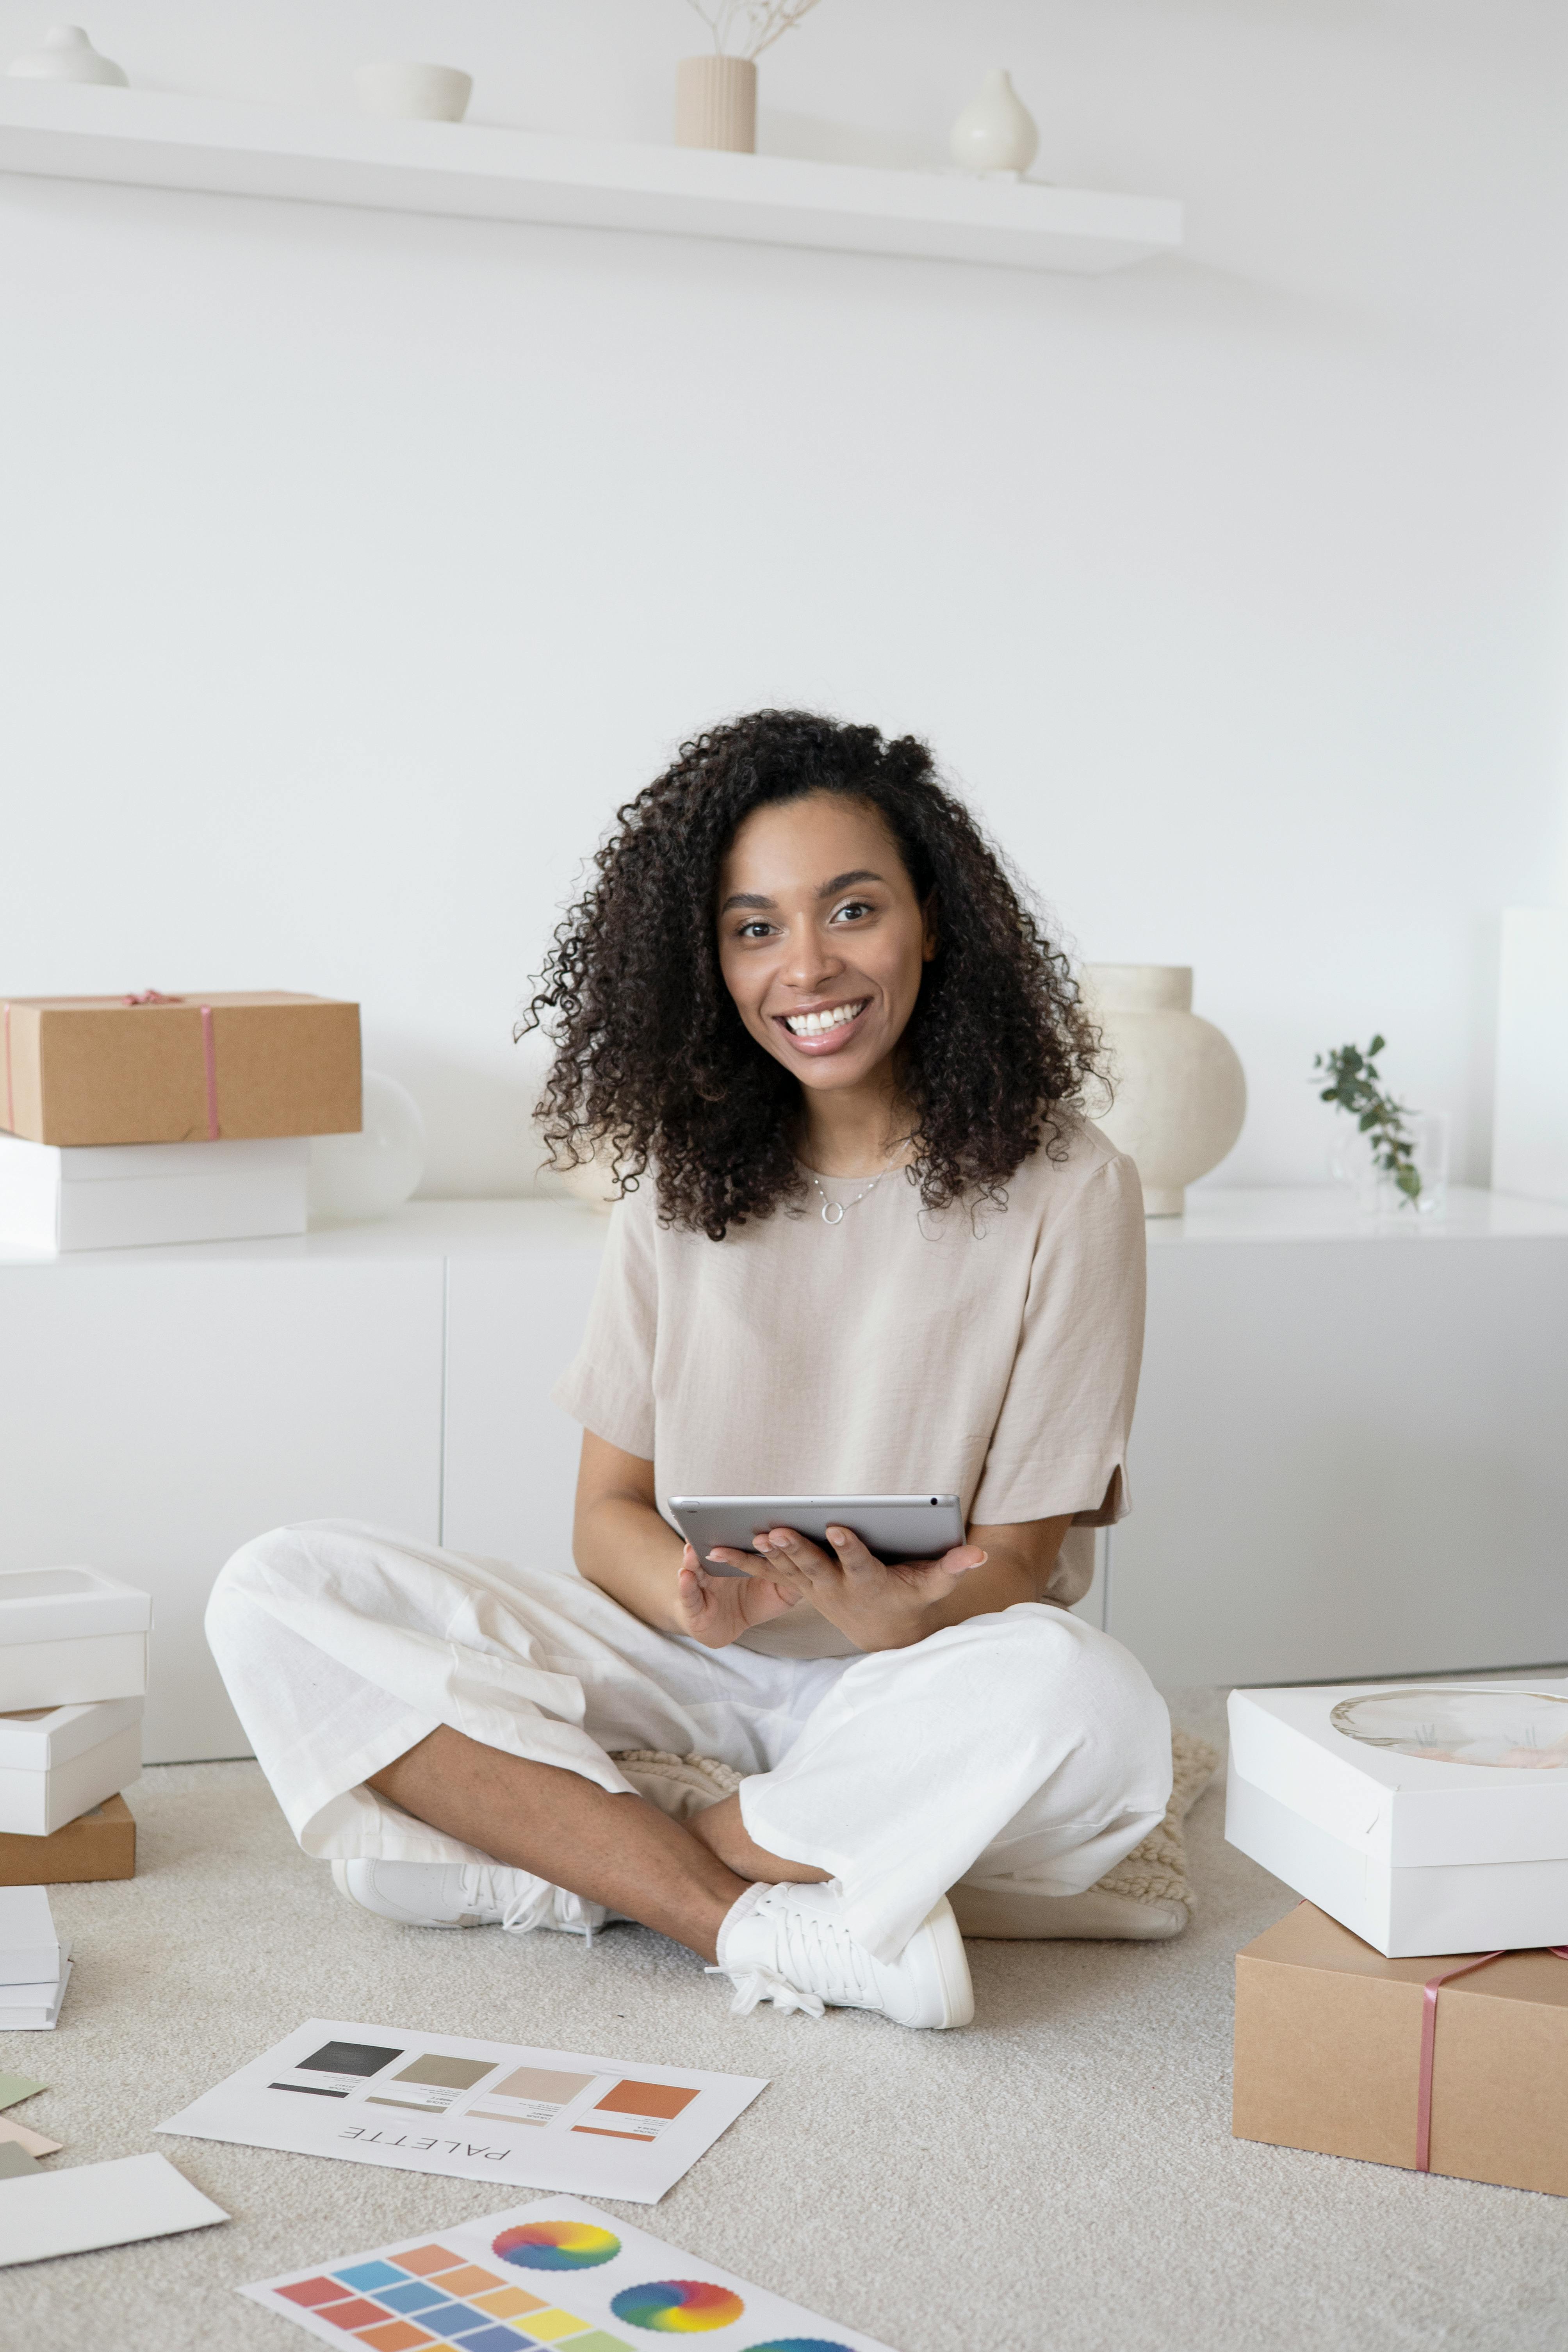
[[473, 2110], [89, 2205], [588, 2282]]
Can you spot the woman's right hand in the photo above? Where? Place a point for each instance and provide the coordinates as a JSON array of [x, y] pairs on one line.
[[717, 1609]]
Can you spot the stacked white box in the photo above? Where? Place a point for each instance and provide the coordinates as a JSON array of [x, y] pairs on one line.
[[68, 1636], [59, 1197], [1412, 1853], [34, 1965], [56, 1762]]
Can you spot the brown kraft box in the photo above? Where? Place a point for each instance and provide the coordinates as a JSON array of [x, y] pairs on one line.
[[98, 1845], [1328, 2055], [178, 1069]]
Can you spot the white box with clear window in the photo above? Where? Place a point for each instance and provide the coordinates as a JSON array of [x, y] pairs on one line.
[[1425, 1817]]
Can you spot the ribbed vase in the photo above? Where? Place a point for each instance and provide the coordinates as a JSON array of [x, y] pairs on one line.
[[715, 104], [1181, 1092]]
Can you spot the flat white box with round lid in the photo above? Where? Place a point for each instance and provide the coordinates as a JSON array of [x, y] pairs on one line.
[[56, 1762], [68, 1636], [1424, 1817]]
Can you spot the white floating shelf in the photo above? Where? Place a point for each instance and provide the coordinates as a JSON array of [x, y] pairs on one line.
[[145, 139]]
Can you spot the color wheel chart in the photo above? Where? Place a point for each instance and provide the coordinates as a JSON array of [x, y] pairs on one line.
[[556, 2273]]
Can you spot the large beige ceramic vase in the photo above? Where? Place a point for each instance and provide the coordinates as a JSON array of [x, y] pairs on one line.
[[1181, 1092]]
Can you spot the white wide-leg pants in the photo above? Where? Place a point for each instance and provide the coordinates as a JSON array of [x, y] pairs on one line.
[[1025, 1751]]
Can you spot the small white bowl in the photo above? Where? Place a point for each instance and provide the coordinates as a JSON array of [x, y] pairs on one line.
[[414, 92]]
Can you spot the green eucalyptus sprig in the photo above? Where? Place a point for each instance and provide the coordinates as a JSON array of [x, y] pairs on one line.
[[1357, 1087]]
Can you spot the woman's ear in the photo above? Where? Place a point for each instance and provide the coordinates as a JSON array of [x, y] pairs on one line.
[[930, 942]]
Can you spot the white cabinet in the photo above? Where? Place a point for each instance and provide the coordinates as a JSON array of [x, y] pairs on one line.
[[158, 1407], [1351, 1455], [512, 1326]]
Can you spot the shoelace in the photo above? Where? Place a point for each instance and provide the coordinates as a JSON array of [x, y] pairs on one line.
[[816, 1951], [536, 1904]]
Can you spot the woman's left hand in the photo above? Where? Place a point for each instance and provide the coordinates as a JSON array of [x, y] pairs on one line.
[[879, 1605]]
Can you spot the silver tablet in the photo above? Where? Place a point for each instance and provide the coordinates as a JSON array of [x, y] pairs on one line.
[[892, 1526]]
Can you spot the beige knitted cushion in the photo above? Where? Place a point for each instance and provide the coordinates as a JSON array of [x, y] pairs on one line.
[[1145, 1898]]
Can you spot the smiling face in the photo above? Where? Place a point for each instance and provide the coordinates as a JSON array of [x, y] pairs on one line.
[[822, 941]]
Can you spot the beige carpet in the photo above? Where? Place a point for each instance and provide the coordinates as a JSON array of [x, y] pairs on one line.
[[1060, 2177]]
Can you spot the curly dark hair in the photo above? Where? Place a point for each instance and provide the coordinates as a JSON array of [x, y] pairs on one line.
[[653, 1065]]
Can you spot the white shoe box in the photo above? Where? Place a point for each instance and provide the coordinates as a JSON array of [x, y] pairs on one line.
[[68, 1636], [56, 1762], [1413, 1854], [128, 1195], [31, 1951]]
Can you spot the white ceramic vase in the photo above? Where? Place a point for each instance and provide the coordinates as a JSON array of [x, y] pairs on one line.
[[995, 132], [65, 54], [413, 94], [1180, 1090], [357, 1177], [715, 104]]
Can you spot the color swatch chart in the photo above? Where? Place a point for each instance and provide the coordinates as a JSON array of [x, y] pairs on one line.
[[431, 2103], [557, 2273]]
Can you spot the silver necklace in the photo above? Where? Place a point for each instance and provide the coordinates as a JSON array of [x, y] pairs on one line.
[[832, 1210]]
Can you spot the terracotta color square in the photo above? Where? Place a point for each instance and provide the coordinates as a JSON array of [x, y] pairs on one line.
[[468, 2281], [356, 2313], [664, 2099], [424, 2260], [398, 2336], [507, 2302], [309, 2292]]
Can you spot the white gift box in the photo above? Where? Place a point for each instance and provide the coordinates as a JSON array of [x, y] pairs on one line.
[[70, 1635], [56, 1762], [1427, 1818], [31, 1951], [127, 1195]]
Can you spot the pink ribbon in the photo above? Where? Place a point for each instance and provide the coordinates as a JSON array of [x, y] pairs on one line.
[[209, 1051], [1430, 1991], [209, 1059]]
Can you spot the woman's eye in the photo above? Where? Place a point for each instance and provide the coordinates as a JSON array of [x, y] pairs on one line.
[[756, 929], [853, 906]]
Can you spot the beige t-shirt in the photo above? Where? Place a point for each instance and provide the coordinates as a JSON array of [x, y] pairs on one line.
[[991, 1354]]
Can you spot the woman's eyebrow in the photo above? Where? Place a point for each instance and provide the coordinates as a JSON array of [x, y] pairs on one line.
[[828, 890]]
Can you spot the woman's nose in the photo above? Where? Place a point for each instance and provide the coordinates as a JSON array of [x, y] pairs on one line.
[[809, 961]]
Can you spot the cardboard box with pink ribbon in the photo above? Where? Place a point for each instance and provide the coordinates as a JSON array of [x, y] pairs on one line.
[[1454, 2063], [154, 1068]]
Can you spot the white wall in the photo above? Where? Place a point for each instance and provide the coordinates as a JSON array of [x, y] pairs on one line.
[[355, 565]]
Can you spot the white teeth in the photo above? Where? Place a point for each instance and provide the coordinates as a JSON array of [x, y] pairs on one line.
[[817, 1024]]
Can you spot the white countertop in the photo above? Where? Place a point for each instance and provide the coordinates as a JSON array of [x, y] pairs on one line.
[[504, 1229]]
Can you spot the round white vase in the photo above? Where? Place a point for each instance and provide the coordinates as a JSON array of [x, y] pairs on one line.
[[995, 132], [715, 104], [357, 1177], [1180, 1090], [65, 54], [410, 92]]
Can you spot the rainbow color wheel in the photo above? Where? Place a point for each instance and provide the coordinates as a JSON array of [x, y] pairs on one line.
[[556, 2245], [678, 2306]]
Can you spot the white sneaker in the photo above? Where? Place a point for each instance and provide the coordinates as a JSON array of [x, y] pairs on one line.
[[786, 1943], [466, 1894]]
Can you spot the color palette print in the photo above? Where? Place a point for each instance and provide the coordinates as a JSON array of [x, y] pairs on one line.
[[478, 2110], [557, 2273]]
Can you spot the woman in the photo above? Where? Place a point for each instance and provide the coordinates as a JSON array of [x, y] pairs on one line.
[[867, 1243]]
